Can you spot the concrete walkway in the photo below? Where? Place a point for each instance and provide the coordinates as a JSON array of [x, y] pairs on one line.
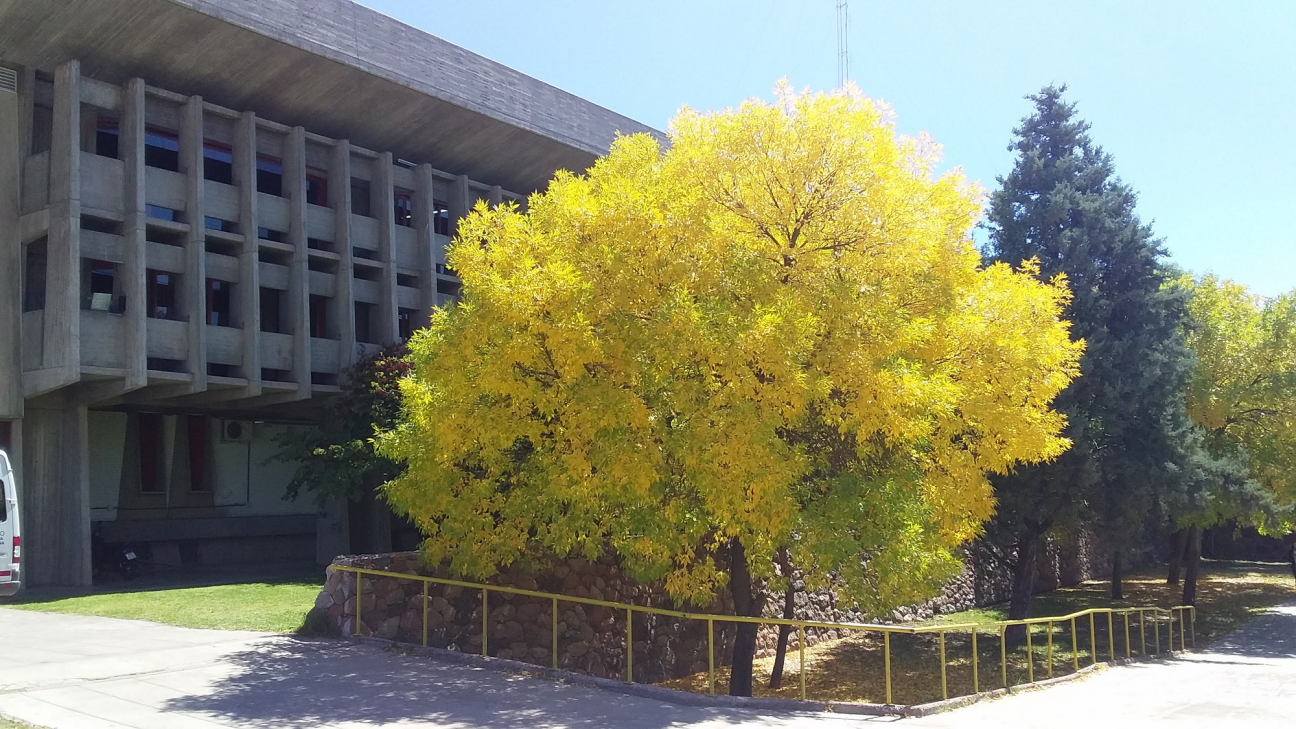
[[71, 672]]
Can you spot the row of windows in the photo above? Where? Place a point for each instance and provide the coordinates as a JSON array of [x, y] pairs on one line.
[[162, 150]]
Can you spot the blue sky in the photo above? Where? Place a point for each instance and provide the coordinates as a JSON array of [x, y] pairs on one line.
[[1195, 100]]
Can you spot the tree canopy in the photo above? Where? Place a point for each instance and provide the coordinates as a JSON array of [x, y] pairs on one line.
[[774, 333]]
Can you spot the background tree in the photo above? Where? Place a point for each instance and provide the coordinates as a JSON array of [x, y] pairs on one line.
[[776, 334], [336, 458], [1063, 205], [1243, 396]]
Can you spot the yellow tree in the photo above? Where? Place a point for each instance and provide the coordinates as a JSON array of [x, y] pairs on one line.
[[776, 333], [1243, 391]]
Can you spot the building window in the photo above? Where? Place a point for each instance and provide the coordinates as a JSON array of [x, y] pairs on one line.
[[161, 149], [162, 287], [224, 226], [360, 198], [218, 162], [271, 300], [364, 322], [106, 137], [405, 323], [449, 288], [34, 275], [100, 287], [440, 218], [318, 316], [404, 208], [150, 453], [197, 431], [317, 187], [218, 303], [269, 175], [270, 234], [42, 128], [407, 280], [157, 212]]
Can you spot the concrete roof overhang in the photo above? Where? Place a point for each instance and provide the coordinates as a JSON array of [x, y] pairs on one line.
[[337, 68]]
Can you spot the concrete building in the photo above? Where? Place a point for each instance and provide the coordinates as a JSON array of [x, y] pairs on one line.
[[208, 209]]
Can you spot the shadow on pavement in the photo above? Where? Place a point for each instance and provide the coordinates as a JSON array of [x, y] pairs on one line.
[[299, 683], [1271, 634]]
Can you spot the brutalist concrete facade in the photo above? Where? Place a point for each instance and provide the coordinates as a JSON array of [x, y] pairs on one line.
[[207, 211]]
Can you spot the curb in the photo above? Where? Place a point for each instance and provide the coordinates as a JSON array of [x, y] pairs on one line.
[[788, 706]]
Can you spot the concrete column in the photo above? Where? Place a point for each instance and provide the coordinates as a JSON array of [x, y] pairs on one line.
[[460, 202], [249, 287], [294, 180], [56, 497], [11, 159], [386, 197], [339, 186], [332, 531], [195, 278], [130, 147], [425, 227], [62, 335]]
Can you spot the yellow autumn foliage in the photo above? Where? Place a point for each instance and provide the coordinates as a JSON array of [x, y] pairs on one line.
[[775, 330]]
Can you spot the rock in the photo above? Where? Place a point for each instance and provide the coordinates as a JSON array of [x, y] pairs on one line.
[[578, 649], [323, 601]]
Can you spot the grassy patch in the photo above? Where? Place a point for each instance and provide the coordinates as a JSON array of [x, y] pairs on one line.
[[11, 724], [853, 668], [276, 607]]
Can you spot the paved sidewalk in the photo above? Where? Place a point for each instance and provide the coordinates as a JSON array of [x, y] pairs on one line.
[[72, 672]]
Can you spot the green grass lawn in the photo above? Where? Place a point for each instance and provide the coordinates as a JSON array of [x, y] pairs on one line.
[[276, 606], [11, 724]]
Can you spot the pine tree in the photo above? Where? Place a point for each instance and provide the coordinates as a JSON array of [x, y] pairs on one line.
[[1063, 205]]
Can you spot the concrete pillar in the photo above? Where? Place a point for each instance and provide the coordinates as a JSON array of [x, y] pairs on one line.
[[56, 497], [195, 278], [460, 202], [425, 228], [62, 328], [339, 187], [386, 196], [332, 531], [496, 196], [294, 180], [11, 159], [130, 147], [249, 288]]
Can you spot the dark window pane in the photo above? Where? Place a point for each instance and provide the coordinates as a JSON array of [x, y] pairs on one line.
[[270, 300], [440, 218], [318, 316], [106, 137], [161, 149], [34, 276], [150, 453], [404, 208], [317, 188], [218, 303], [269, 175], [218, 162], [360, 200]]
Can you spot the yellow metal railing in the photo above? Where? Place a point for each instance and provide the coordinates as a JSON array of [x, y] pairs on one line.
[[1184, 615]]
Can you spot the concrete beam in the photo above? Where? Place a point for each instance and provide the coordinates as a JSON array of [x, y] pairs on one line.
[[62, 322], [249, 286], [194, 289], [130, 147]]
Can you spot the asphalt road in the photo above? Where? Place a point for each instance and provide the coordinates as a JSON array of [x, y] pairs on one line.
[[71, 672]]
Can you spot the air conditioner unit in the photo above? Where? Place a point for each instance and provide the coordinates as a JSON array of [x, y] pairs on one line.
[[236, 431]]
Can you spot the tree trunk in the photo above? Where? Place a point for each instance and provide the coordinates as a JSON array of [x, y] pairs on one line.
[[1178, 543], [1116, 592], [1023, 588], [789, 606], [1194, 558], [744, 602]]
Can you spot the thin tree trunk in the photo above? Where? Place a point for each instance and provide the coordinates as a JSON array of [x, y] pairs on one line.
[[1194, 558], [1178, 543], [789, 607], [1116, 592], [744, 602], [1023, 588]]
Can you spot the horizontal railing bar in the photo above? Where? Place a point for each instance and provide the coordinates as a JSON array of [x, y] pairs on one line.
[[902, 629]]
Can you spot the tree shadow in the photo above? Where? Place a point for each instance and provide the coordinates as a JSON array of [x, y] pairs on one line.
[[302, 683], [1269, 635]]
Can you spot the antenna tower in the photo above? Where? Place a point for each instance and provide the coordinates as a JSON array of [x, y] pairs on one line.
[[843, 52]]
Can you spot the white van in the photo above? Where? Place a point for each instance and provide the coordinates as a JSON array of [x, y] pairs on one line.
[[10, 533]]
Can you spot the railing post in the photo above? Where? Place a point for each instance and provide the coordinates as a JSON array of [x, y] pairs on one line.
[[629, 645], [1142, 636], [976, 679], [359, 600], [1193, 626], [711, 656], [485, 622], [886, 647], [1075, 649], [801, 642], [1156, 630], [555, 633], [944, 682], [1111, 637], [1030, 656], [1003, 653], [1127, 645], [1093, 641], [1050, 649], [425, 600]]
